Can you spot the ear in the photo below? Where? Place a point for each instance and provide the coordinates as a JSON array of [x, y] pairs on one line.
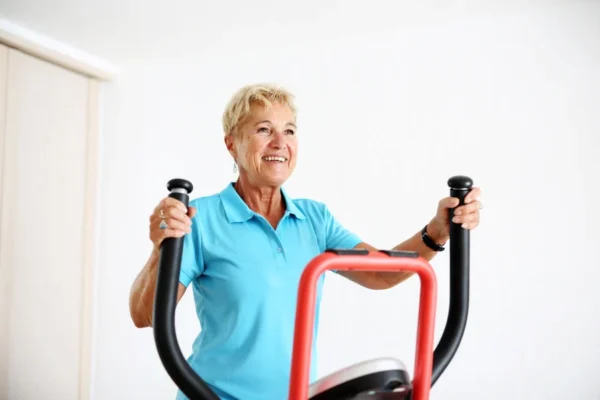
[[229, 143]]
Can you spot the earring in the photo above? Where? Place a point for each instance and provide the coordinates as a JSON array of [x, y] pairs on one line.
[[235, 169]]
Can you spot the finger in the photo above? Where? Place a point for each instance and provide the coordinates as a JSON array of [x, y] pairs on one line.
[[470, 225], [473, 195], [161, 234], [159, 206], [170, 202], [177, 214], [191, 212], [157, 235], [173, 223], [172, 213], [448, 202], [178, 225], [473, 207], [174, 228], [466, 218], [468, 208], [174, 232]]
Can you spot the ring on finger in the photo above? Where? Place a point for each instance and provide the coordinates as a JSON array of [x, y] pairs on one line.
[[163, 224], [161, 214]]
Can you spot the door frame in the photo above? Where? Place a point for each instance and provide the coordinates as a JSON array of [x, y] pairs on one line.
[[98, 72], [51, 50]]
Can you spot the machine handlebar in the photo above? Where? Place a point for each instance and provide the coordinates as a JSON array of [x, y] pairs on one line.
[[195, 388], [458, 308], [165, 302]]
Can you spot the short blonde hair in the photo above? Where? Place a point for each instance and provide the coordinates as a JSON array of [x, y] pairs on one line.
[[266, 94]]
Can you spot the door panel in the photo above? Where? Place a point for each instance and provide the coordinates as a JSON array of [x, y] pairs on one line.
[[43, 226]]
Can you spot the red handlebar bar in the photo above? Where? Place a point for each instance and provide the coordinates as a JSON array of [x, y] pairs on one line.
[[372, 261]]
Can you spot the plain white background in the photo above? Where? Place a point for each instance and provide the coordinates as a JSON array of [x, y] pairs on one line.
[[394, 98]]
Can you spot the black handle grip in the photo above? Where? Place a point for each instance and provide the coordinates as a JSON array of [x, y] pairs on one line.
[[458, 309], [165, 302]]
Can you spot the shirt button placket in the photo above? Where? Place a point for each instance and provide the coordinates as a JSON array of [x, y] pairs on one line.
[[279, 254]]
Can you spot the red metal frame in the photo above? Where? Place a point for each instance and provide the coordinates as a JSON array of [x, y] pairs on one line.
[[374, 261]]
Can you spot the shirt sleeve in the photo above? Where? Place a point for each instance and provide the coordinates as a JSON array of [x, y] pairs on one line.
[[192, 262], [338, 236]]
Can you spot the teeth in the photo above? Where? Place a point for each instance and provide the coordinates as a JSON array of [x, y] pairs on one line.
[[280, 159]]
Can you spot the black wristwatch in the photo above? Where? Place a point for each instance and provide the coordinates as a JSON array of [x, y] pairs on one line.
[[429, 242]]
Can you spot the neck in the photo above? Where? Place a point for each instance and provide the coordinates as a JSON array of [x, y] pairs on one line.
[[264, 200]]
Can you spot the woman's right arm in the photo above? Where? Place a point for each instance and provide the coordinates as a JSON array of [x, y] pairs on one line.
[[141, 297]]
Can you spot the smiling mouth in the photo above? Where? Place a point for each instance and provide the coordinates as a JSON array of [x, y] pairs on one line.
[[274, 159]]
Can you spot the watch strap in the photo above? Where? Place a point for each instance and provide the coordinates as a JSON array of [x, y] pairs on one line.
[[429, 242]]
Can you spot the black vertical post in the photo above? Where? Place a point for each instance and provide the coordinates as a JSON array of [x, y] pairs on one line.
[[458, 309], [165, 303]]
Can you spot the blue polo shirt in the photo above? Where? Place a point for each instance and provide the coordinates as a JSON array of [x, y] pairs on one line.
[[245, 275]]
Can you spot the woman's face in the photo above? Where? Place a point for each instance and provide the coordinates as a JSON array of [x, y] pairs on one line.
[[265, 145]]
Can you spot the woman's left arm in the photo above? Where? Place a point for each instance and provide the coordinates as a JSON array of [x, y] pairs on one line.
[[438, 229]]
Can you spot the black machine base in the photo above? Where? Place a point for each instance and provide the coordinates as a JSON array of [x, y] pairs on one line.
[[401, 395], [364, 381]]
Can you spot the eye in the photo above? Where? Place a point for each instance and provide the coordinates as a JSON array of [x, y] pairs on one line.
[[290, 132], [263, 129]]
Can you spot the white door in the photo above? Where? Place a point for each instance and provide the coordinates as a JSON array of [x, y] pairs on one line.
[[45, 228]]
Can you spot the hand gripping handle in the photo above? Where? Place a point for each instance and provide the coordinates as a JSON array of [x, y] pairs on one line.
[[165, 301]]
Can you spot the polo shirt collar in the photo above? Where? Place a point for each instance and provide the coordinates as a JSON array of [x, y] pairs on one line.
[[237, 210]]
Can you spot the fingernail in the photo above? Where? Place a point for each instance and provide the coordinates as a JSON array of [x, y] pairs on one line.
[[458, 212], [465, 226], [455, 220]]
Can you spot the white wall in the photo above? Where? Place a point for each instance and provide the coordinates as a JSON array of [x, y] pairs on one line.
[[388, 111]]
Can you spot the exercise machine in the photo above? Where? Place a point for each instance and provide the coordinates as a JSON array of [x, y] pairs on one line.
[[378, 379]]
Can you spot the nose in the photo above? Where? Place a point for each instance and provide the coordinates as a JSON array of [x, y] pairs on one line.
[[278, 139]]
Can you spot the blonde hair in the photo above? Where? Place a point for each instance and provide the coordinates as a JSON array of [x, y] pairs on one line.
[[266, 94]]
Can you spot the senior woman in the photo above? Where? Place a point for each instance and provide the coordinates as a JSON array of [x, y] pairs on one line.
[[245, 249]]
